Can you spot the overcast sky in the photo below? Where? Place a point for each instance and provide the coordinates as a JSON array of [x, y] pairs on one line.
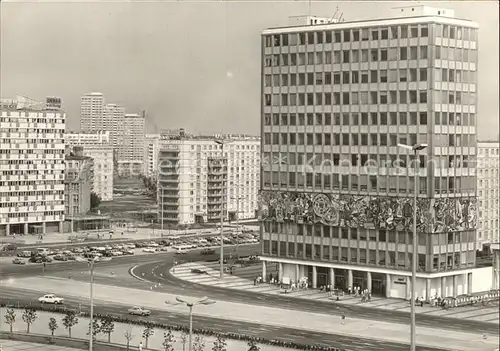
[[188, 64]]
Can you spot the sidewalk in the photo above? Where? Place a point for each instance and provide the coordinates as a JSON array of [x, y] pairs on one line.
[[265, 315], [243, 280], [10, 345]]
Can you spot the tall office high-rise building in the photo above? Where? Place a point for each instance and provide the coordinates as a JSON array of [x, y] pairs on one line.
[[151, 147], [31, 166], [92, 112], [337, 191]]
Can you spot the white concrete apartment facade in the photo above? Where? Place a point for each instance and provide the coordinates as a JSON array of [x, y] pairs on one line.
[[351, 91], [131, 150], [97, 146], [92, 112], [488, 193], [151, 146], [200, 177], [31, 168]]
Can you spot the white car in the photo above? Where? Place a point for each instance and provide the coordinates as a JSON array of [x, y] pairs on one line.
[[153, 244], [139, 311], [51, 298], [149, 249]]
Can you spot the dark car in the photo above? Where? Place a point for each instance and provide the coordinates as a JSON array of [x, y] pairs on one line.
[[40, 259], [207, 251], [198, 271]]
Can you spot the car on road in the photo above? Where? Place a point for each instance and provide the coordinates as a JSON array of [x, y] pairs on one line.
[[128, 252], [149, 249], [139, 311], [207, 251], [51, 298], [40, 259], [198, 271], [18, 260]]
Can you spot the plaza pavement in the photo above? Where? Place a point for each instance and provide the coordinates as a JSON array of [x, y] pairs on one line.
[[11, 345], [261, 314], [242, 279]]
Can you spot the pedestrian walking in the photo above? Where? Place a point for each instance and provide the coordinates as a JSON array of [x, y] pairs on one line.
[[140, 346], [342, 319]]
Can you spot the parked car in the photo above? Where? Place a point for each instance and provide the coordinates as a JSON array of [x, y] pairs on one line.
[[116, 253], [128, 252], [40, 259], [25, 254], [149, 249], [198, 271], [139, 311], [18, 260], [60, 257], [51, 298], [207, 251]]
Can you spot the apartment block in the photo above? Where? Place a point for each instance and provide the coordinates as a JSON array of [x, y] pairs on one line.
[[78, 182], [201, 178], [337, 191], [151, 147], [97, 145], [31, 167], [131, 151], [488, 166]]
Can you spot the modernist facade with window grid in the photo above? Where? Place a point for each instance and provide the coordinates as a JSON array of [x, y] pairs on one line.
[[488, 166], [200, 177], [32, 167], [340, 96], [97, 146]]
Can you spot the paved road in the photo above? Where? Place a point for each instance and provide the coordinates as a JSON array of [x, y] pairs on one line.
[[151, 272], [13, 296], [8, 269]]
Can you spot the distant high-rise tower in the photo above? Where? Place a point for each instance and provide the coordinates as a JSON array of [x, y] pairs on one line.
[[113, 122], [91, 112]]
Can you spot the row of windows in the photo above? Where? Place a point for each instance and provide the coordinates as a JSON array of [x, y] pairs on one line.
[[326, 160], [353, 182], [362, 55], [365, 118], [379, 235], [366, 34], [349, 77], [372, 76], [349, 98], [365, 139]]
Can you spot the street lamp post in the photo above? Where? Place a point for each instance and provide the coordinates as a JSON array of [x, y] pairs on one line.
[[237, 225], [190, 304], [222, 243], [415, 148], [91, 332]]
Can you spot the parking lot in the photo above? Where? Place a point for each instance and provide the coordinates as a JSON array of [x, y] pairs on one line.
[[106, 251]]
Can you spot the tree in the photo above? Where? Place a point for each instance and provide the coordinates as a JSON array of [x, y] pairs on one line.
[[10, 318], [95, 200], [252, 346], [128, 336], [29, 316], [69, 321], [184, 338], [96, 328], [199, 343], [107, 326], [52, 325], [220, 344], [147, 333], [168, 341]]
